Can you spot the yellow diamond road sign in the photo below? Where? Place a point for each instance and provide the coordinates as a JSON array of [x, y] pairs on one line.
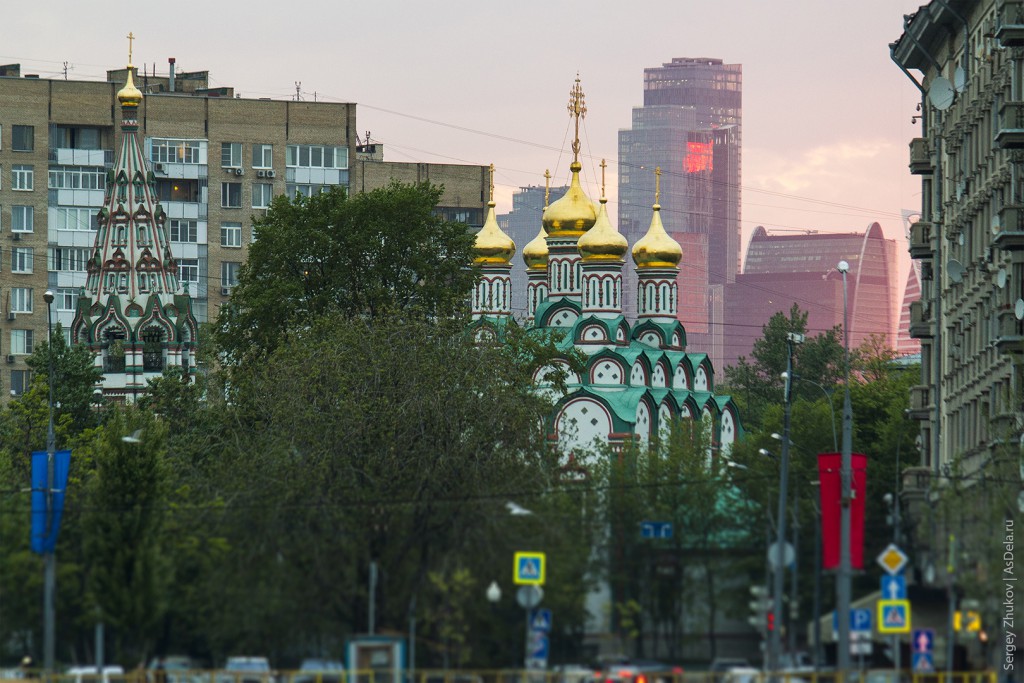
[[892, 559]]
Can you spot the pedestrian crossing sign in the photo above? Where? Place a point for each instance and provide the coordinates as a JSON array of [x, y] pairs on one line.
[[894, 616], [528, 569]]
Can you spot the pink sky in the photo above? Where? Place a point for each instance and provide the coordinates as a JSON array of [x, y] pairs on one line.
[[826, 114]]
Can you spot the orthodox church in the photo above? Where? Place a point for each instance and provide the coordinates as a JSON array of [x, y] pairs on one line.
[[133, 313], [639, 377]]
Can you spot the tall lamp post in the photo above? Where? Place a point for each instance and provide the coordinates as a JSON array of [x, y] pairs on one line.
[[50, 556], [778, 561], [843, 575]]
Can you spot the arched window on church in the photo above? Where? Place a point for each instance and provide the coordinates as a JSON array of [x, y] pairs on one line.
[[152, 350]]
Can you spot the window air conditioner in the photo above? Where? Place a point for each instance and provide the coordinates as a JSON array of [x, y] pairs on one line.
[[10, 358], [15, 236], [159, 168], [261, 174], [239, 171], [271, 173], [12, 315], [225, 291]]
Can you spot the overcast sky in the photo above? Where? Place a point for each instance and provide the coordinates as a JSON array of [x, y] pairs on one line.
[[826, 113]]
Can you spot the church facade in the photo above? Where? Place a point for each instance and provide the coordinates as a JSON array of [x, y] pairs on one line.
[[639, 376]]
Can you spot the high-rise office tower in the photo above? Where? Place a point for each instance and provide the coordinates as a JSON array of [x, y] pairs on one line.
[[690, 127]]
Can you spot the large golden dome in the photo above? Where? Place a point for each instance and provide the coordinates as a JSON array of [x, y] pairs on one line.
[[535, 253], [657, 249], [603, 242], [129, 95], [492, 245], [574, 213]]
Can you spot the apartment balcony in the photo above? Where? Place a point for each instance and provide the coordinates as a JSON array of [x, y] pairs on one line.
[[921, 240], [1010, 127], [1008, 235], [920, 402], [920, 320], [1010, 23], [1010, 332], [920, 157]]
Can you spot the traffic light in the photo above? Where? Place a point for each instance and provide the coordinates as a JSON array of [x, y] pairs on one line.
[[761, 616]]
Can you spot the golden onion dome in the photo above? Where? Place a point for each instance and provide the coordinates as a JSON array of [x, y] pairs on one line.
[[574, 213], [657, 249], [535, 253], [603, 242], [129, 95], [492, 245]]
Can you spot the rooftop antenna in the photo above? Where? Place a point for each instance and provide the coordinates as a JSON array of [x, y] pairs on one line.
[[298, 91], [66, 67]]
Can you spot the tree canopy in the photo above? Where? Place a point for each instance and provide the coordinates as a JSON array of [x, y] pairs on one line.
[[364, 254]]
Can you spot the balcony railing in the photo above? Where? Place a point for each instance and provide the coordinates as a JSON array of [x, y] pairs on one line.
[[921, 240], [1008, 234], [920, 401], [1010, 332], [1010, 23], [1010, 128], [920, 157], [920, 320]]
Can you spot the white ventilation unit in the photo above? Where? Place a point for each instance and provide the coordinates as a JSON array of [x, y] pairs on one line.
[[225, 291], [271, 173], [12, 315], [160, 168], [10, 358], [261, 174]]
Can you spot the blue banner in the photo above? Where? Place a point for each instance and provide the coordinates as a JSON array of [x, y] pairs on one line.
[[44, 539]]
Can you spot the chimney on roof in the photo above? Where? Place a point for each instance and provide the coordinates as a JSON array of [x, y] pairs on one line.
[[170, 84]]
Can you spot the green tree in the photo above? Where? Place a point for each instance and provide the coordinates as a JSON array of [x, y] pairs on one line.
[[364, 254]]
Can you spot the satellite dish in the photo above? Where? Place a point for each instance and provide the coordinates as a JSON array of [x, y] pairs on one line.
[[959, 79], [1018, 309], [1001, 278], [955, 270], [941, 93]]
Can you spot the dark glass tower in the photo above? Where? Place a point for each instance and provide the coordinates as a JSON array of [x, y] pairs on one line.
[[690, 126]]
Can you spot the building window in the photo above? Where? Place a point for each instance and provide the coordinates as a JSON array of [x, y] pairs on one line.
[[231, 234], [229, 273], [69, 259], [262, 193], [21, 260], [22, 177], [21, 342], [20, 380], [293, 190], [231, 154], [23, 219], [21, 300], [73, 218], [66, 299], [73, 137], [262, 156], [184, 230], [23, 138], [188, 270], [77, 178], [231, 195], [175, 151], [316, 156]]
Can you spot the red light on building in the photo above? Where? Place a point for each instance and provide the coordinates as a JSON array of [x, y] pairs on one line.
[[699, 156]]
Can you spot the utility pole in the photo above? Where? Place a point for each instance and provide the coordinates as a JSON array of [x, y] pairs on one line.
[[845, 570], [50, 552]]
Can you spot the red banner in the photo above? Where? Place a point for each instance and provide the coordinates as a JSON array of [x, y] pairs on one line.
[[831, 494]]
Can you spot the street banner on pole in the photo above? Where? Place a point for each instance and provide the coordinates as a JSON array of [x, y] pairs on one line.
[[42, 539], [829, 471]]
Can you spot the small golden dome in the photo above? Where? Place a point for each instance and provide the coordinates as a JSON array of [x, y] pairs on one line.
[[603, 242], [492, 245], [129, 95], [535, 253], [574, 213], [657, 249]]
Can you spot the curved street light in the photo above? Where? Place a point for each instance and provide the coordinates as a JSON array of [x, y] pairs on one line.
[[828, 397]]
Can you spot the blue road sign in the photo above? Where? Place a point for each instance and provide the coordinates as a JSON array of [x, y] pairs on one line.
[[894, 587], [529, 569], [923, 640], [860, 620], [923, 663], [893, 616], [656, 529], [540, 620], [538, 645]]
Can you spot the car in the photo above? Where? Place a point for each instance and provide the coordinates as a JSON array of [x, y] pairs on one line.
[[316, 670], [246, 669], [723, 665], [175, 669], [90, 674], [572, 673], [640, 671]]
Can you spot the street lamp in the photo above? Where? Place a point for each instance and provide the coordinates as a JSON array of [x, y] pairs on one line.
[[494, 593], [828, 397], [50, 556], [843, 575]]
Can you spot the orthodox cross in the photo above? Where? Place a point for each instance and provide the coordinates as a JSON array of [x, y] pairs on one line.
[[577, 110], [604, 165], [547, 186], [657, 184], [492, 182], [131, 37]]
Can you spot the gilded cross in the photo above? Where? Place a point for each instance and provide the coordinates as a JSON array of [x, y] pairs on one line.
[[547, 186], [657, 184], [604, 165], [131, 37], [492, 182], [577, 110]]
